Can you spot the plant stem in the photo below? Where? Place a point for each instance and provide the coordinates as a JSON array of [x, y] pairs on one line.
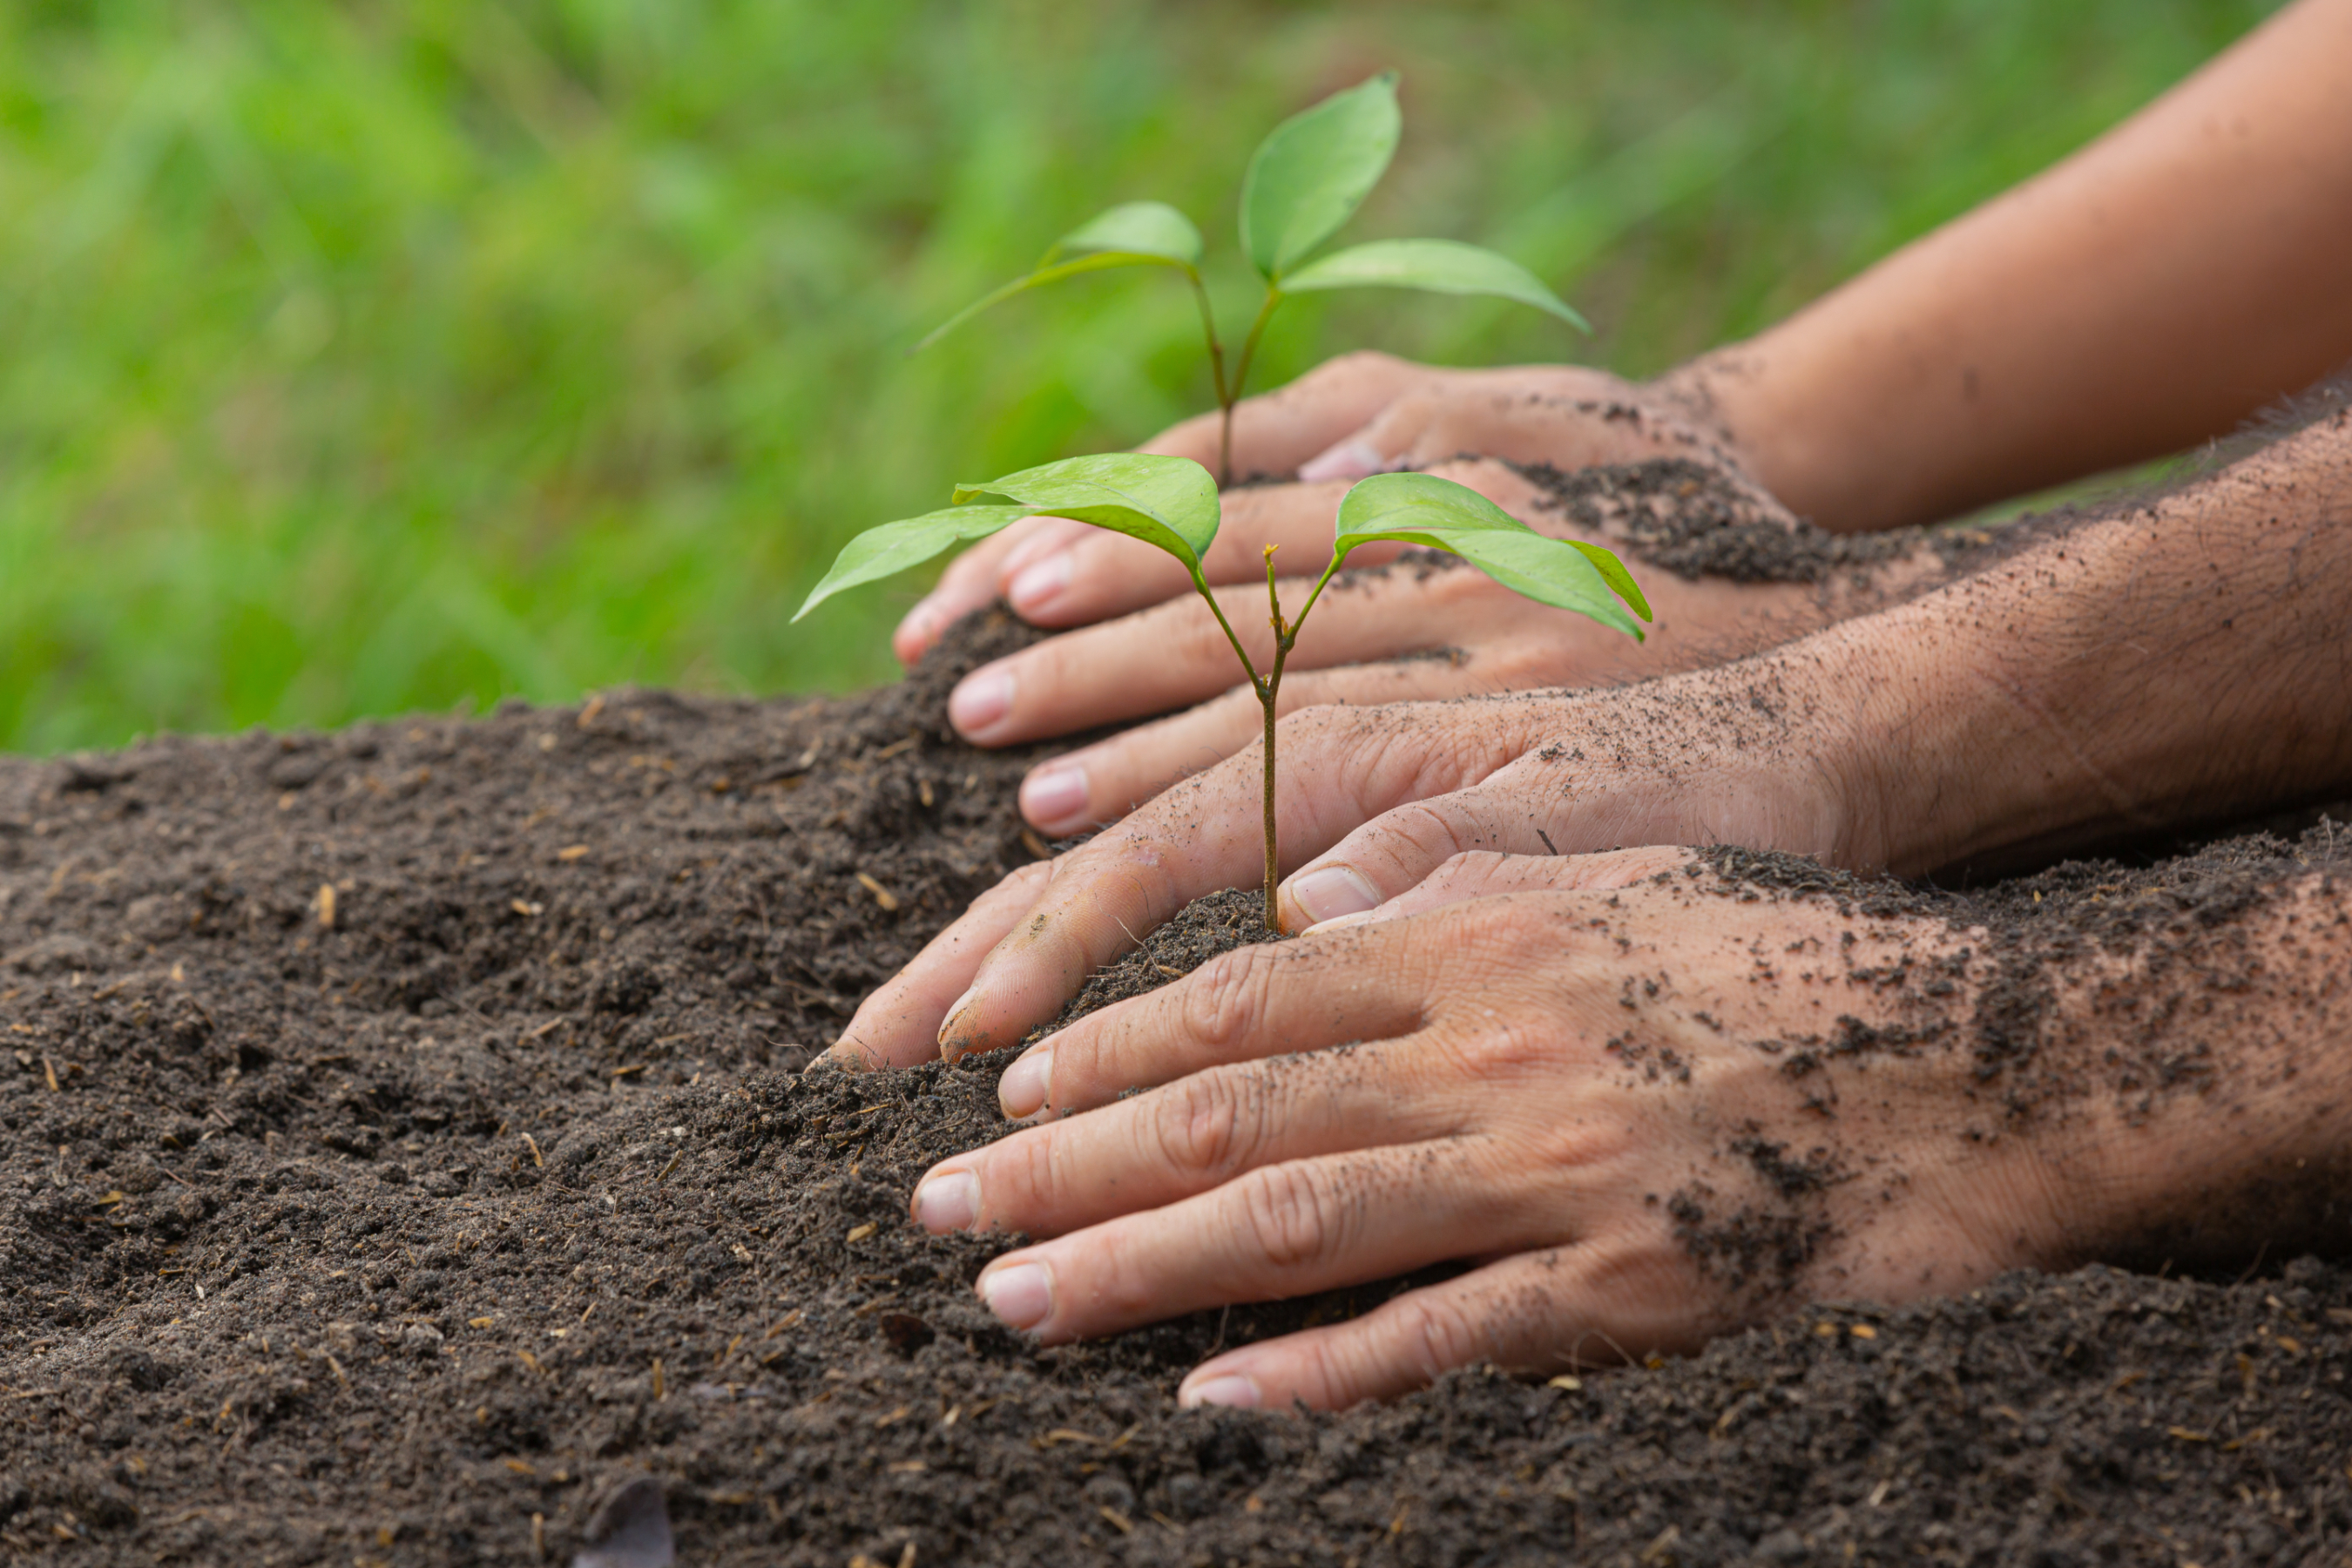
[[1268, 688], [1216, 376], [1241, 374]]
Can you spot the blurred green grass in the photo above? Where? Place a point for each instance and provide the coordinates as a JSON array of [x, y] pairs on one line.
[[406, 354]]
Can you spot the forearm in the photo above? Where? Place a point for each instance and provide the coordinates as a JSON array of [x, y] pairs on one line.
[[2186, 660], [2145, 294]]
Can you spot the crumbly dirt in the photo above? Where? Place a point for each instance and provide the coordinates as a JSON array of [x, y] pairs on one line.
[[1694, 520], [405, 1148], [1209, 927]]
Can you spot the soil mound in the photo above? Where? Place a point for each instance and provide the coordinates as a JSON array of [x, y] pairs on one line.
[[405, 1152]]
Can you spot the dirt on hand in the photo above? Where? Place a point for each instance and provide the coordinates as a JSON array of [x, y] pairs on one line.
[[405, 1152]]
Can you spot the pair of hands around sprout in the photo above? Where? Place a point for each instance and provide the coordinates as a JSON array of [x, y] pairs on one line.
[[1502, 1040]]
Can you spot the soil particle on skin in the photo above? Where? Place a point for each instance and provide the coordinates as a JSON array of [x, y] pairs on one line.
[[405, 1149]]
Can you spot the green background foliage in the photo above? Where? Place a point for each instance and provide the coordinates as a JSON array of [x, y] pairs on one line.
[[377, 356]]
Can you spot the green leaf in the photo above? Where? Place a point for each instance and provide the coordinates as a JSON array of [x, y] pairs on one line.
[[1312, 172], [1167, 501], [1135, 228], [1438, 515], [893, 547], [1099, 261], [1439, 266]]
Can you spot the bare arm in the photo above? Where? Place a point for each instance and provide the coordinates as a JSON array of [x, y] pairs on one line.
[[2179, 661], [2144, 295]]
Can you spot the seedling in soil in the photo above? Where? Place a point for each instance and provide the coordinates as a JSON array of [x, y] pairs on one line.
[[1171, 503], [1306, 179]]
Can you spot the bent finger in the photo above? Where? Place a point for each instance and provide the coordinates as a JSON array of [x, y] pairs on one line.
[[1167, 657], [898, 1024], [1265, 1000], [1486, 874], [1275, 1231], [1185, 1139], [1546, 1311]]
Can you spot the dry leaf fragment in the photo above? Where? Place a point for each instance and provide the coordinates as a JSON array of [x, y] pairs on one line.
[[571, 852], [882, 895], [326, 904], [860, 1233]]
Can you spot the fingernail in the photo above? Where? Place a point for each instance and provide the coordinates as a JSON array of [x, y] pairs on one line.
[[1022, 1296], [1330, 891], [948, 1202], [1230, 1389], [1350, 459], [1035, 587], [1023, 1090], [1052, 796], [955, 1011], [981, 700]]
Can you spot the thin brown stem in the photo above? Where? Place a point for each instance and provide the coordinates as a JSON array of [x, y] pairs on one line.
[[1241, 374]]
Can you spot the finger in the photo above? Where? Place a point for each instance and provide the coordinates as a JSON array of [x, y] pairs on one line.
[[972, 580], [1096, 573], [1104, 782], [1206, 833], [1188, 1138], [1267, 999], [1274, 1231], [1276, 430], [898, 1024], [1485, 874], [1170, 656], [1547, 1311]]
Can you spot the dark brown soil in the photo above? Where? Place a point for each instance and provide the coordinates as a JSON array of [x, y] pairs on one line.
[[1695, 521], [405, 1226]]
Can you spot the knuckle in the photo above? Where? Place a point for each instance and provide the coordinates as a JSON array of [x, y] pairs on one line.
[[1222, 1001], [1209, 1124], [1435, 1334], [1020, 1177], [1289, 1217]]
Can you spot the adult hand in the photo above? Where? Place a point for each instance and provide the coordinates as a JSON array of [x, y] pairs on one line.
[[1629, 1105], [1353, 416], [1758, 754], [1415, 630], [1649, 1104]]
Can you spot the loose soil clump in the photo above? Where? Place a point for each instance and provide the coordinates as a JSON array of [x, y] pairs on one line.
[[406, 1152]]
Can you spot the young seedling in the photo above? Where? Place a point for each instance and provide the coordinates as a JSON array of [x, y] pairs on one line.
[[1171, 503], [1307, 178]]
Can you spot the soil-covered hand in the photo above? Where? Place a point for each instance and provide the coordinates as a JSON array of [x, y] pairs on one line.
[[1642, 1115], [1357, 415], [1423, 628], [1381, 797], [2009, 709]]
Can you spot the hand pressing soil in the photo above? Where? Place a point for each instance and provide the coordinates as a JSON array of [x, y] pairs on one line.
[[400, 1226]]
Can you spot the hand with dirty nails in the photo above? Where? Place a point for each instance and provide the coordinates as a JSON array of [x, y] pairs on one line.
[[2169, 663], [1057, 572], [2071, 327], [1420, 628], [1644, 1116]]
